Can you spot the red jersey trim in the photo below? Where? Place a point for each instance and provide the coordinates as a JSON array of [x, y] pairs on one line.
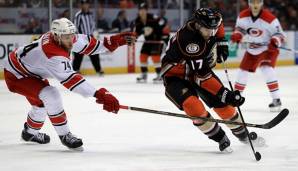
[[72, 81], [266, 15], [51, 48], [90, 47]]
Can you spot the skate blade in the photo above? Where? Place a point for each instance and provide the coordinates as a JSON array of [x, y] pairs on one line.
[[78, 149], [157, 82], [275, 109], [227, 150], [141, 81]]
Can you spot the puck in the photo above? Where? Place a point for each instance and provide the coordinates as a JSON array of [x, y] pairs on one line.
[[253, 135], [258, 156]]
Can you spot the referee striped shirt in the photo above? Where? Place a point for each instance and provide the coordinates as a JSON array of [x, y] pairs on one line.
[[84, 22]]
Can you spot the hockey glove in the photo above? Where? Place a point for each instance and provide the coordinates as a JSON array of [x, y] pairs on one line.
[[236, 37], [273, 45], [233, 98], [110, 103], [222, 50], [120, 39]]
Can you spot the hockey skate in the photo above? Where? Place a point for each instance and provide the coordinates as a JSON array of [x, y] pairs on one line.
[[275, 106], [71, 141], [40, 138], [255, 139], [101, 73], [224, 145], [157, 79], [142, 78]]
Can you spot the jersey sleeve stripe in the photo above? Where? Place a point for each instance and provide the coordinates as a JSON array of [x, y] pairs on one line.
[[83, 49], [73, 81], [90, 47], [77, 84], [67, 79], [97, 44]]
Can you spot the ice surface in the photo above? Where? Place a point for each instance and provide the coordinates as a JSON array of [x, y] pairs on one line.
[[135, 141]]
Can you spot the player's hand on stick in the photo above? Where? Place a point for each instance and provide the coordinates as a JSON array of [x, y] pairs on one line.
[[110, 103], [233, 98], [273, 45], [222, 50], [113, 42]]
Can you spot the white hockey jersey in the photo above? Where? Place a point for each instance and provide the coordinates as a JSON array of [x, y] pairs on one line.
[[44, 58], [259, 30]]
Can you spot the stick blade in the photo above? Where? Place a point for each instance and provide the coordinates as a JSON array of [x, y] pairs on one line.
[[280, 117]]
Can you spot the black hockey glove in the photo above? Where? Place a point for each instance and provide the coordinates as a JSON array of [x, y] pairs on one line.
[[222, 50], [233, 98]]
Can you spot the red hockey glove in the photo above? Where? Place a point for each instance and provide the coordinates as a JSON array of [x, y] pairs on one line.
[[236, 37], [120, 39], [273, 45], [110, 103]]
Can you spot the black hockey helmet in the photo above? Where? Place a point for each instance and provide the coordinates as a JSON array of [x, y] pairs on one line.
[[207, 17]]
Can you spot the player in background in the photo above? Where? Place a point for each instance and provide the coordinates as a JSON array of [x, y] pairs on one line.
[[189, 79], [27, 68], [263, 29], [155, 30]]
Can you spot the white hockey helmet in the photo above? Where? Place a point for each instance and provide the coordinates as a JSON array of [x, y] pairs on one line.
[[62, 26]]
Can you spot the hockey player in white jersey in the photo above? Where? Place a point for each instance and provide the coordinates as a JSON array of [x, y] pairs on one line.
[[28, 67], [263, 30]]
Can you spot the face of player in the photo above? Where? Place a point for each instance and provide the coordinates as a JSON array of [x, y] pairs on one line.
[[67, 41], [205, 32], [143, 13], [255, 6]]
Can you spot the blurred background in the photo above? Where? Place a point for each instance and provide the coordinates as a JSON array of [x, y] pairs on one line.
[[34, 16]]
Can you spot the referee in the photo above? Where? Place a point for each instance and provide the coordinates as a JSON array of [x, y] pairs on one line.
[[85, 23]]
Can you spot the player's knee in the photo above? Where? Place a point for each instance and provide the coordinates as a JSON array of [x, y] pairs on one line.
[[226, 112], [143, 58], [156, 59], [194, 107], [51, 98]]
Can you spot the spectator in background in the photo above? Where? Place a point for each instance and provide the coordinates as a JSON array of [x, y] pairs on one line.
[[65, 14], [33, 27], [102, 23], [173, 4], [292, 17], [121, 21], [126, 4]]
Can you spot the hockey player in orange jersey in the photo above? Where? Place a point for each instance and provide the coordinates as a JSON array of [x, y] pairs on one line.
[[265, 35], [28, 67]]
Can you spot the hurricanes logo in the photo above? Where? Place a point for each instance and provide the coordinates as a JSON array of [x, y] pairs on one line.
[[254, 32], [192, 48]]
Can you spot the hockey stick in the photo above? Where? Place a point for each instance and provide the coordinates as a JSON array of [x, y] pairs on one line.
[[256, 153], [275, 121]]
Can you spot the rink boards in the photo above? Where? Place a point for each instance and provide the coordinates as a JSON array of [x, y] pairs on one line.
[[117, 62]]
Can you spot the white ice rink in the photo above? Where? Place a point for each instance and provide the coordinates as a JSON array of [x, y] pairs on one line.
[[135, 141]]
